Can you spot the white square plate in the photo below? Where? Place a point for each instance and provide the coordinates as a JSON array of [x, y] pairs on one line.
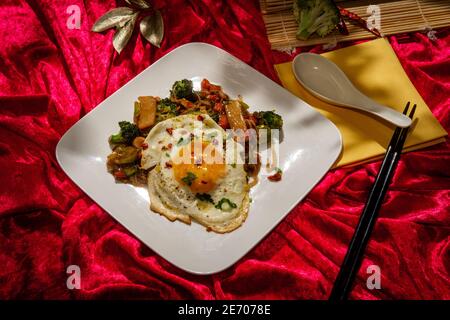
[[310, 146]]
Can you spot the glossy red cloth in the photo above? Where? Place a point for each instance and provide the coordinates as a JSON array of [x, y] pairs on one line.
[[50, 76]]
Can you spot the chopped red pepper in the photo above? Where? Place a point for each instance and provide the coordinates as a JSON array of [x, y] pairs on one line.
[[186, 104], [120, 174], [200, 117], [144, 145], [223, 121], [213, 97], [213, 87], [218, 107], [275, 177], [169, 130], [208, 86], [205, 85]]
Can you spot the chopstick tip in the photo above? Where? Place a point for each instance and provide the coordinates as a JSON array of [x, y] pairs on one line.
[[411, 115], [405, 111]]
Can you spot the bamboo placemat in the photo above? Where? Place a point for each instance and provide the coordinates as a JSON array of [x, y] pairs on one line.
[[396, 17]]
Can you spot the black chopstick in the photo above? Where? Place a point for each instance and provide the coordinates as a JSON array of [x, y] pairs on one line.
[[352, 261]]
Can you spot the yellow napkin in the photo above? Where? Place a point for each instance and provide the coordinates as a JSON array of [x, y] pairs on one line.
[[374, 69]]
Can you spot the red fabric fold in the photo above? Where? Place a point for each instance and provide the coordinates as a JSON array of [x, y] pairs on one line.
[[50, 76]]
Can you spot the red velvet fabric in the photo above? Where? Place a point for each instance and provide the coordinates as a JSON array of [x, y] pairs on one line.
[[51, 76]]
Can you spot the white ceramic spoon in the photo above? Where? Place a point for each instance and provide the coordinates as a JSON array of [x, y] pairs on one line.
[[328, 82]]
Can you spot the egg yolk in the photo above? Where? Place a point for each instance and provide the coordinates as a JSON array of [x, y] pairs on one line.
[[200, 175]]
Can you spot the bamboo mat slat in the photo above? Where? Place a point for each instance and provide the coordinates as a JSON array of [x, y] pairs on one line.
[[396, 17], [269, 6]]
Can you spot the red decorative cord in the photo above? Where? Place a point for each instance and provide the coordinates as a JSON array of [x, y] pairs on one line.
[[353, 17]]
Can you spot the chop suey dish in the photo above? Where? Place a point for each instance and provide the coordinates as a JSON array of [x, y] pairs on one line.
[[192, 150]]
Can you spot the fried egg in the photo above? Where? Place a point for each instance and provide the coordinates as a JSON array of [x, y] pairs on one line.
[[191, 181]]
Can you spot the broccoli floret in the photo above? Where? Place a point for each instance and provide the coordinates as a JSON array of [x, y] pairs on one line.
[[315, 16], [268, 119], [128, 131], [183, 89], [166, 109], [166, 106]]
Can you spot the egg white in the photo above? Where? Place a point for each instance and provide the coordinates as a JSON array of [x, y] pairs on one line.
[[176, 201]]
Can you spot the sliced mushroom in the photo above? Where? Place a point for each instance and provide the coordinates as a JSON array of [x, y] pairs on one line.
[[147, 112], [138, 141], [234, 115], [124, 155]]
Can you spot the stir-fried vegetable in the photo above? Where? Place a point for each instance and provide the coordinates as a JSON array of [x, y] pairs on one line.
[[214, 115], [128, 131], [234, 115], [166, 109], [183, 89], [130, 171], [268, 119], [138, 142], [276, 176], [128, 144], [167, 106], [145, 115], [123, 155]]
